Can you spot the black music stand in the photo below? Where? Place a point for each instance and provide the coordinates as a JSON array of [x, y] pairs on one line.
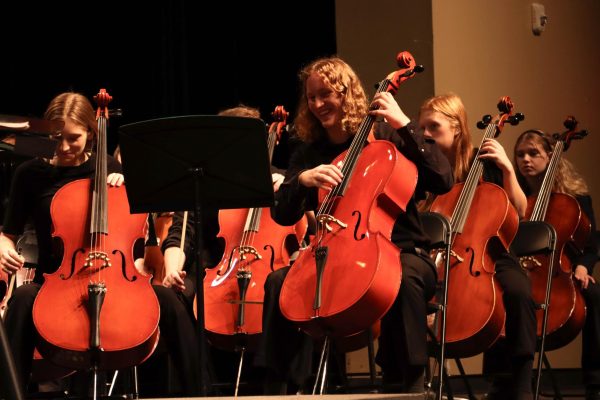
[[193, 162]]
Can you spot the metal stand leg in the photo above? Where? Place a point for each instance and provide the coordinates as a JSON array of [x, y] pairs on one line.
[[545, 306], [371, 350], [322, 369], [112, 383], [239, 374]]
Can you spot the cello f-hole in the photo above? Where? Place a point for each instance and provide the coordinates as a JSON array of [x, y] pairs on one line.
[[472, 262], [362, 235], [123, 265], [62, 276], [219, 273], [272, 258]]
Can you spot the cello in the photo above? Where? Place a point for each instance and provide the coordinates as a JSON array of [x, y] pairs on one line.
[[475, 311], [255, 245], [96, 310], [349, 275], [566, 310]]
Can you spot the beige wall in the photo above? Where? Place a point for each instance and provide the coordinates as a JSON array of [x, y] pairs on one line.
[[371, 33], [486, 49], [482, 50]]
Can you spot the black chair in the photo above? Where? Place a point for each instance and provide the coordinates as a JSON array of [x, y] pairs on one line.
[[538, 237], [438, 228]]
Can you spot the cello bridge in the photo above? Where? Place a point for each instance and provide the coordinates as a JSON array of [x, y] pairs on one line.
[[244, 250], [529, 262], [97, 255], [325, 219]]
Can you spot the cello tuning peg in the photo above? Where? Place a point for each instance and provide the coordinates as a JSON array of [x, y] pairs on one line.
[[581, 134], [570, 123], [515, 119], [485, 120], [419, 68], [116, 112]]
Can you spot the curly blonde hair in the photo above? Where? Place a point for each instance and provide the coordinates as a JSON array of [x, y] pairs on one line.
[[241, 110], [344, 81], [567, 179]]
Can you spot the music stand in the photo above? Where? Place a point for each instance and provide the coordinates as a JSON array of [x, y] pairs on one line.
[[193, 162]]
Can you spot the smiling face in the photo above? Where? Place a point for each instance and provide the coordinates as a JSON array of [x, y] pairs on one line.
[[324, 103], [72, 140]]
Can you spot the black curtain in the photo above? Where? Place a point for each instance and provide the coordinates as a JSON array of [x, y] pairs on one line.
[[171, 58]]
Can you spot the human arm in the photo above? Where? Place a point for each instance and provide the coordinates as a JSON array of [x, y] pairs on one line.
[[584, 263], [10, 260], [293, 197], [434, 169], [174, 253], [493, 151]]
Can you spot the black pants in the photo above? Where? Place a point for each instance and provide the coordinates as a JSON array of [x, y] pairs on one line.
[[590, 352], [285, 351], [514, 354], [176, 328], [403, 338]]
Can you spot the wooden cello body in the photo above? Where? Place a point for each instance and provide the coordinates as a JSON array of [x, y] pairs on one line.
[[350, 274], [483, 223], [475, 311], [566, 309], [255, 245], [96, 310], [226, 317]]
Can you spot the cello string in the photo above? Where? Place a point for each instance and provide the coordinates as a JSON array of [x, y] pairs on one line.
[[463, 204], [351, 157]]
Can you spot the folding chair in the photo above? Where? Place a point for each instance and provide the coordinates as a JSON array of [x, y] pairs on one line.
[[539, 237]]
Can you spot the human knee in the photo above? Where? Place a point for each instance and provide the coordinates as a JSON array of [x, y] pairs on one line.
[[24, 296]]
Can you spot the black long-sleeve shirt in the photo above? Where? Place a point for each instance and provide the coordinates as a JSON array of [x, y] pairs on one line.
[[33, 187], [434, 175], [589, 256]]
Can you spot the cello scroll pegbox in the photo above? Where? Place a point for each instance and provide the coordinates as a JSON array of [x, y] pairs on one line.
[[102, 99], [408, 69], [405, 60], [279, 114], [571, 134]]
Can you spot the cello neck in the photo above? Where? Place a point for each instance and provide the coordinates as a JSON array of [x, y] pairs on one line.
[[541, 203], [358, 142], [463, 205], [99, 221], [492, 130]]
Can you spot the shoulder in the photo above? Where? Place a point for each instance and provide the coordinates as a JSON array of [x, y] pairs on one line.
[[32, 167]]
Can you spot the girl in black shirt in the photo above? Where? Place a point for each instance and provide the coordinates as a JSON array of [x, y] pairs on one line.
[[533, 150], [33, 187], [332, 105]]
